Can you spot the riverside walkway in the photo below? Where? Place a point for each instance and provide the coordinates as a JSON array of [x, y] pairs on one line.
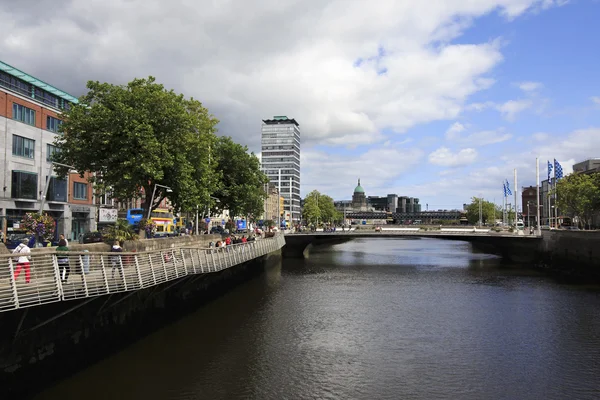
[[97, 274]]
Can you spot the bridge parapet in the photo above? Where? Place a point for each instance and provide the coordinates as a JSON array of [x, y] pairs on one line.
[[92, 274]]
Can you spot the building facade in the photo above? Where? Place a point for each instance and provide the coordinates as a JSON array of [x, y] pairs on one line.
[[391, 203], [529, 203], [29, 122], [280, 157], [589, 166], [359, 199]]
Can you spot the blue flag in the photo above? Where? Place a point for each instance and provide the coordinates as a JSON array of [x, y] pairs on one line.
[[549, 171], [558, 172], [508, 191]]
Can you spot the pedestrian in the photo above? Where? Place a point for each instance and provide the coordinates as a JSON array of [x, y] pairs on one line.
[[62, 259], [62, 237], [116, 259], [23, 259]]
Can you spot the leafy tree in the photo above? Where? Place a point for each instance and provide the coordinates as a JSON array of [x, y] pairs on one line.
[[242, 190], [578, 195], [311, 212], [489, 210], [136, 136], [319, 208]]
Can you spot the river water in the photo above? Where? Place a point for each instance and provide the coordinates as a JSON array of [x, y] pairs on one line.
[[369, 319]]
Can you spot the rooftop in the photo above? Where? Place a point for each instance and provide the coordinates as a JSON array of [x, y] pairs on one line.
[[280, 119], [37, 83]]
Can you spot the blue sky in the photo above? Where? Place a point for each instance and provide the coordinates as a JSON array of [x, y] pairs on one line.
[[439, 100]]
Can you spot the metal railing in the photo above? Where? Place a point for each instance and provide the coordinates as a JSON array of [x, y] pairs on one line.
[[74, 275]]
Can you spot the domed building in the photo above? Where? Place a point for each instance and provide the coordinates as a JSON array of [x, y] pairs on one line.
[[359, 198]]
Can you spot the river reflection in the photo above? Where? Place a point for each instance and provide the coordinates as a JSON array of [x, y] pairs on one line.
[[370, 319]]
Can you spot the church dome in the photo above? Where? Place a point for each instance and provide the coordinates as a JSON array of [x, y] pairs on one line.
[[359, 189]]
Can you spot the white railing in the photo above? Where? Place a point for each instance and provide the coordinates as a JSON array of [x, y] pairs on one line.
[[90, 274]]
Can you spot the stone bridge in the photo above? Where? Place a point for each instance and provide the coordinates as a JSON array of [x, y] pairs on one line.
[[517, 248]]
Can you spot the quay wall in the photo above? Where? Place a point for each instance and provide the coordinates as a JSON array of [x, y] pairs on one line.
[[574, 253]]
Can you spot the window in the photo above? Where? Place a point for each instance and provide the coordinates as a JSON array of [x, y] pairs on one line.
[[50, 151], [23, 147], [23, 114], [57, 190], [80, 191], [52, 124], [23, 185]]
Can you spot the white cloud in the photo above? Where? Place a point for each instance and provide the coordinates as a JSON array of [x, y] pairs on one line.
[[530, 86], [252, 60], [481, 138], [595, 100], [540, 136], [445, 158], [378, 169], [511, 108]]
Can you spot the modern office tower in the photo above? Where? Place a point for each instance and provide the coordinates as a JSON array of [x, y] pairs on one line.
[[280, 156]]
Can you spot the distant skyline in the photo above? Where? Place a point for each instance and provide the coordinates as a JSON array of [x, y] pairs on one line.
[[438, 100]]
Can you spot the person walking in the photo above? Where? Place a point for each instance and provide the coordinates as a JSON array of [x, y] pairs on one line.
[[62, 259], [23, 259], [116, 259]]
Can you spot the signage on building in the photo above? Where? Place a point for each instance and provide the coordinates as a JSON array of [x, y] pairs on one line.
[[80, 209], [107, 215]]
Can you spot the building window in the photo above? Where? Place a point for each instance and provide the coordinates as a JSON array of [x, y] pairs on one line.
[[23, 185], [53, 124], [57, 190], [23, 147], [23, 114], [80, 191], [50, 151]]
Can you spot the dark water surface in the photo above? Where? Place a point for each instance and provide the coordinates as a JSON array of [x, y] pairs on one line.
[[370, 319]]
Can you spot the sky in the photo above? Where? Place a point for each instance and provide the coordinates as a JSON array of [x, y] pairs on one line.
[[439, 99]]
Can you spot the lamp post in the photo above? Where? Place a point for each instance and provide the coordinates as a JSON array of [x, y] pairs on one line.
[[169, 190], [480, 210], [207, 212], [528, 218]]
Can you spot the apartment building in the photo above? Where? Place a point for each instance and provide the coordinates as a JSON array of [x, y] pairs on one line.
[[29, 122]]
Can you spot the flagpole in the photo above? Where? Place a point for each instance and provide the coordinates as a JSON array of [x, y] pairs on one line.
[[516, 217], [537, 198], [555, 198]]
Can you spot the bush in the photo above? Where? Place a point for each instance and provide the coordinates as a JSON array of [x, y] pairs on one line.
[[120, 231]]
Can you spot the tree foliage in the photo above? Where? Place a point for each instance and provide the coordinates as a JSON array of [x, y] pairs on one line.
[[578, 195], [319, 208], [138, 135], [489, 213], [242, 189]]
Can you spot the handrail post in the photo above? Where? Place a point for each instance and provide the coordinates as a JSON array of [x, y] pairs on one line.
[[162, 260], [151, 268], [122, 272], [200, 251], [103, 273], [183, 261], [83, 278], [13, 283], [212, 254], [57, 281], [137, 269]]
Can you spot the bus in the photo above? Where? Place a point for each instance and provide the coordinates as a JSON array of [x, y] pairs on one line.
[[134, 216], [163, 219]]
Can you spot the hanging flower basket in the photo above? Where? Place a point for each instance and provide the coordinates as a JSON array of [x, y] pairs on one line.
[[39, 225], [148, 226]]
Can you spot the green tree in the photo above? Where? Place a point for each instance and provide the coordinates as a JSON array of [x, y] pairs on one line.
[[489, 210], [120, 231], [311, 212], [136, 136], [578, 195], [242, 190], [319, 208]]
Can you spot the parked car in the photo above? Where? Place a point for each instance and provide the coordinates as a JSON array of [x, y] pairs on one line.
[[217, 230], [14, 239], [92, 237]]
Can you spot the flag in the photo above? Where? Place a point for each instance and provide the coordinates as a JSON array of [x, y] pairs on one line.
[[549, 171], [558, 172], [505, 192], [508, 191]]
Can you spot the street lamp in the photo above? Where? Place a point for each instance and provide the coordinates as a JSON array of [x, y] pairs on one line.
[[169, 190], [207, 212]]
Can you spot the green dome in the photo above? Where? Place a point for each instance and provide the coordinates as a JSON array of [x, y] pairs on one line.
[[359, 189]]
